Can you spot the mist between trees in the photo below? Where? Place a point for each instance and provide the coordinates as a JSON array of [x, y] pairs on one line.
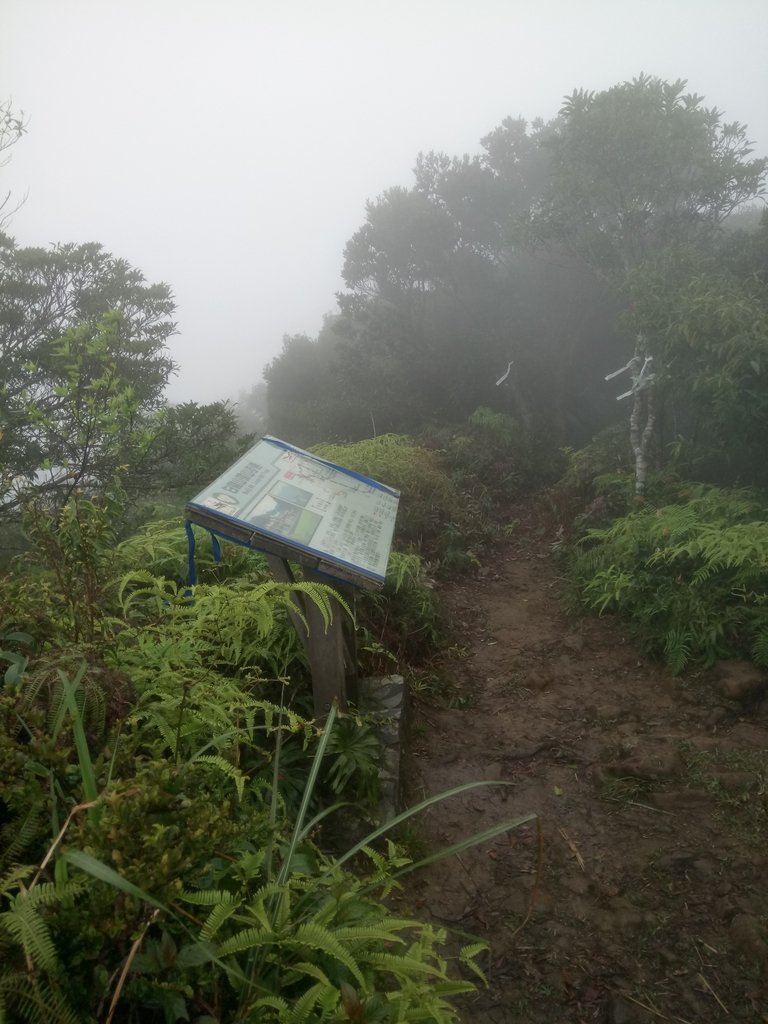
[[158, 829], [635, 214]]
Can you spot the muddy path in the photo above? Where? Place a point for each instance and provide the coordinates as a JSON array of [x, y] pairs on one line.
[[642, 895]]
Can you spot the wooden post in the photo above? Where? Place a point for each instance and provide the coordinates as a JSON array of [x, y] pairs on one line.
[[332, 655]]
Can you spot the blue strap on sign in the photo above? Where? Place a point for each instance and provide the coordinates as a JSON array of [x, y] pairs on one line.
[[191, 568]]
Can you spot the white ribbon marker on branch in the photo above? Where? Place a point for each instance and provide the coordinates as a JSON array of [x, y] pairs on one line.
[[504, 376]]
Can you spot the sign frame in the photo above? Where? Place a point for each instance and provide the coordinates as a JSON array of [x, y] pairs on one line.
[[331, 651], [259, 537]]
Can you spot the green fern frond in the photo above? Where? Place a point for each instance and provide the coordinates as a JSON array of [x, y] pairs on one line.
[[209, 897], [9, 883], [25, 926], [467, 956], [315, 995], [33, 1001], [400, 966], [760, 648], [677, 649], [274, 1003], [18, 834], [322, 940], [247, 938], [228, 769], [220, 913], [373, 933], [306, 969]]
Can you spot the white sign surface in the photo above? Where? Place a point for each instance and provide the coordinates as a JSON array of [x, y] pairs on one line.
[[311, 504]]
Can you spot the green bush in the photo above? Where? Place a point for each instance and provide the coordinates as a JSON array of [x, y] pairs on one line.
[[491, 453], [189, 889], [403, 621], [691, 576]]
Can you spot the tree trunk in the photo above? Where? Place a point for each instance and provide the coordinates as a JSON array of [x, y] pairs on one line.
[[642, 422]]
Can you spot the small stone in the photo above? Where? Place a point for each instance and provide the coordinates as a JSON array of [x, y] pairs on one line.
[[741, 680], [537, 680], [652, 761], [682, 800], [736, 782], [574, 643]]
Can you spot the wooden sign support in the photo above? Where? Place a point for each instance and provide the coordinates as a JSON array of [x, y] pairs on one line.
[[331, 649]]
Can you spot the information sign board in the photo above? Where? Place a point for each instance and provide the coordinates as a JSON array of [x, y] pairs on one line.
[[286, 501]]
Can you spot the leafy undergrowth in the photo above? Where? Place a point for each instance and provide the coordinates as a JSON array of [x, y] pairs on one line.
[[163, 845], [690, 575]]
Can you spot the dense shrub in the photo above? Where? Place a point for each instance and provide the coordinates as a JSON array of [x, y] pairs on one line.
[[162, 802], [492, 454], [691, 576]]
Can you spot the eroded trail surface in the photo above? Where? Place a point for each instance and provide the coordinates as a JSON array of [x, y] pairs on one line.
[[644, 896]]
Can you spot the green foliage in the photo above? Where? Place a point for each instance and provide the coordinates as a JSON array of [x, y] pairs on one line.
[[403, 619], [61, 585], [81, 337], [203, 794], [160, 548], [17, 661], [194, 444], [710, 338], [32, 973], [249, 916], [640, 166], [607, 453], [491, 455], [691, 576], [428, 500]]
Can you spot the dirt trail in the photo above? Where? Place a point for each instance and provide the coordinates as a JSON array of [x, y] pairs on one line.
[[644, 897]]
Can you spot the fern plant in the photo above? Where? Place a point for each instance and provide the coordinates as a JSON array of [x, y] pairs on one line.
[[32, 980], [277, 931], [691, 576]]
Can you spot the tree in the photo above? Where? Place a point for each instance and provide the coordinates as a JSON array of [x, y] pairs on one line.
[[641, 166], [252, 409], [194, 444], [11, 130], [53, 304], [85, 429], [445, 289], [710, 327], [636, 169]]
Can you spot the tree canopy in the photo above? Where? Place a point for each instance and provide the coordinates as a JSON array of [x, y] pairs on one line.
[[57, 351], [641, 166], [526, 253]]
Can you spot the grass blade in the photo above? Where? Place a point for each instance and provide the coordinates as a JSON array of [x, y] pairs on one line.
[[299, 831], [81, 743], [104, 873], [467, 843], [405, 815]]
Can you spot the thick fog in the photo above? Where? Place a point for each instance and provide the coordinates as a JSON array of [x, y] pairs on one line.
[[229, 147]]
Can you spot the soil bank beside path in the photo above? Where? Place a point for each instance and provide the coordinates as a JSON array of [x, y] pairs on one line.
[[642, 895]]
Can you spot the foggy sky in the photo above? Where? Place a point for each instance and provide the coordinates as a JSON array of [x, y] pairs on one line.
[[227, 147]]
